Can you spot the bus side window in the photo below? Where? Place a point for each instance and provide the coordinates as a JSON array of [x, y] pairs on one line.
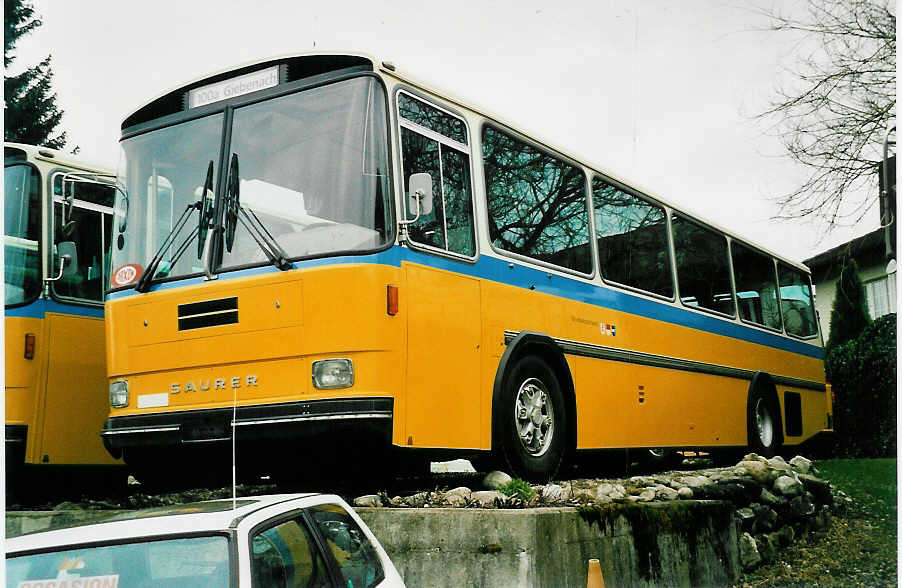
[[443, 154], [537, 203], [756, 286], [632, 240], [703, 270], [88, 225], [796, 303]]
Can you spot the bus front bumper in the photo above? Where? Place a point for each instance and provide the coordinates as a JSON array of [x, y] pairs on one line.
[[290, 420]]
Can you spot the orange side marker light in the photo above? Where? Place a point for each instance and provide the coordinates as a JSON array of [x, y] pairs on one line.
[[29, 345], [391, 295]]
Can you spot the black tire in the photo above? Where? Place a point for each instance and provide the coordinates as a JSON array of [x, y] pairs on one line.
[[764, 425], [660, 458], [534, 420]]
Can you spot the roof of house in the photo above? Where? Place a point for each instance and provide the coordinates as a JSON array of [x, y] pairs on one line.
[[867, 249]]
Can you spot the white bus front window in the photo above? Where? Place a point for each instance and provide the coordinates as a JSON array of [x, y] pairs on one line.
[[313, 169], [162, 171], [21, 234]]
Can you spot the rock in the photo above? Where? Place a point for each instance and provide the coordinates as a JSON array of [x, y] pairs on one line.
[[788, 486], [371, 500], [488, 498], [820, 489], [766, 519], [685, 492], [68, 506], [603, 499], [749, 557], [767, 547], [739, 493], [758, 471], [746, 518], [555, 493], [778, 463], [605, 488], [770, 499], [646, 495], [459, 496], [801, 507], [695, 481], [453, 466], [583, 495], [665, 493], [800, 464], [495, 480], [785, 536]]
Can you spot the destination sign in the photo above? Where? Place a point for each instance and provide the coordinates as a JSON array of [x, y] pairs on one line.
[[258, 80]]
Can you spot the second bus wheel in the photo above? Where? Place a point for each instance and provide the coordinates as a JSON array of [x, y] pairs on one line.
[[764, 424], [534, 419]]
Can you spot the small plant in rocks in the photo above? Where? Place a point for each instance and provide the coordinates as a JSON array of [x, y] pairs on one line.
[[518, 488]]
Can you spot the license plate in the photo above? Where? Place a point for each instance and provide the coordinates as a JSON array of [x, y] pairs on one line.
[[206, 431]]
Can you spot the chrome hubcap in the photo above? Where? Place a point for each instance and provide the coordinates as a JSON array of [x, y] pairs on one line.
[[534, 417], [765, 423]]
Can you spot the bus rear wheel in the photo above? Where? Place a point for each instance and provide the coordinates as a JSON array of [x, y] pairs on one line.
[[534, 420], [764, 425]]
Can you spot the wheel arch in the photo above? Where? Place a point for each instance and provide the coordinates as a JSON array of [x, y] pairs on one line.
[[541, 345], [763, 383]]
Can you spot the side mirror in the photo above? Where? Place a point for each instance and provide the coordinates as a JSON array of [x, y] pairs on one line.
[[68, 256], [420, 194]]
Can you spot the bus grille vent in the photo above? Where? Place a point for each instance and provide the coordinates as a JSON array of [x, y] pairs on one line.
[[209, 313]]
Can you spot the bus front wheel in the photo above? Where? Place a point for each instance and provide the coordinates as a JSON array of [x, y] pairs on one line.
[[764, 425], [535, 421]]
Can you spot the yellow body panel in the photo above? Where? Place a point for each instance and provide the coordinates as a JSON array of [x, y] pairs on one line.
[[61, 394], [439, 356], [286, 322]]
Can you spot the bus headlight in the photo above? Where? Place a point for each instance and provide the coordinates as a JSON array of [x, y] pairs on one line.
[[329, 374], [119, 394]]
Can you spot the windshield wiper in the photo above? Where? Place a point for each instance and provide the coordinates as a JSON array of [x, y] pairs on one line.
[[235, 212], [146, 278]]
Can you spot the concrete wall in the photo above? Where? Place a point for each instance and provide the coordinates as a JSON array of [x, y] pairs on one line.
[[686, 543], [682, 543]]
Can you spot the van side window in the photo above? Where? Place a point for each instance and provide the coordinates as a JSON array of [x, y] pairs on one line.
[[537, 203]]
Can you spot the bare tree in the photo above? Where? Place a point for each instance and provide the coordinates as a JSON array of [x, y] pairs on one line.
[[831, 113]]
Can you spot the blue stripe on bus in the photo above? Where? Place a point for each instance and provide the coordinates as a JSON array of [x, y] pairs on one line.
[[41, 306], [521, 276]]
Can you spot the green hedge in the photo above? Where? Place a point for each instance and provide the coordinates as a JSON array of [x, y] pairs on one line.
[[863, 374]]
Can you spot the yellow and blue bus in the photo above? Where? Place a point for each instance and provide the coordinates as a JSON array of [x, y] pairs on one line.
[[58, 213], [316, 248]]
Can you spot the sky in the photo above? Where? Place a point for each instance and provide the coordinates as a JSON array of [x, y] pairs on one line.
[[661, 93]]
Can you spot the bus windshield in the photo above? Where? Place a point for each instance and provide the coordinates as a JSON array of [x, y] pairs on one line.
[[21, 233], [312, 169]]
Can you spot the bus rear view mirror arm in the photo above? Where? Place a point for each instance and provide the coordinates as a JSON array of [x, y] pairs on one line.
[[420, 190], [68, 256]]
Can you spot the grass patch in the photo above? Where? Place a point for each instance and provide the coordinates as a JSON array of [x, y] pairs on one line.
[[859, 548]]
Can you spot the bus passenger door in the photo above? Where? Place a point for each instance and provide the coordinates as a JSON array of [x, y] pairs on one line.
[[443, 336], [442, 298], [77, 398]]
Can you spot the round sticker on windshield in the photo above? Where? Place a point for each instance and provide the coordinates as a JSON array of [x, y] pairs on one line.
[[125, 275]]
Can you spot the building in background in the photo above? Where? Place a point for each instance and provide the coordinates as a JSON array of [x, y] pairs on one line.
[[875, 254]]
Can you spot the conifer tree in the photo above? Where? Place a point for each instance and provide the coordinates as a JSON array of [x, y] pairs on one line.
[[30, 112], [849, 316]]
